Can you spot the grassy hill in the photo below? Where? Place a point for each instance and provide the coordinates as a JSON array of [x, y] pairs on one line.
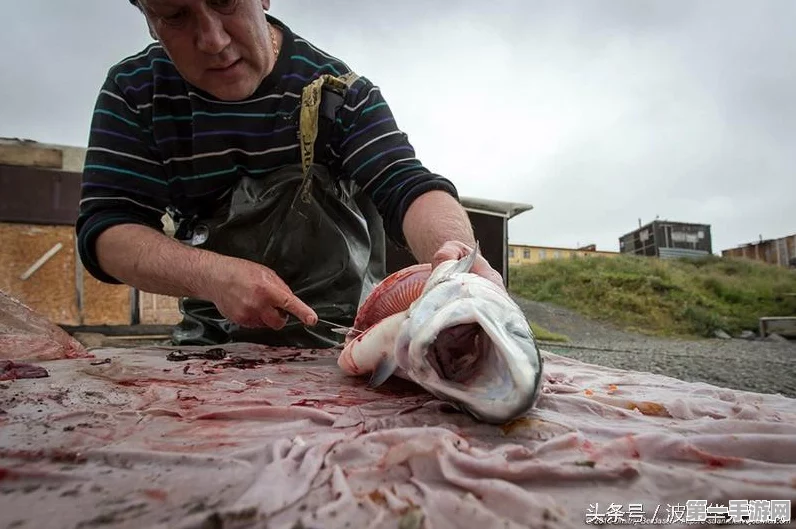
[[662, 297]]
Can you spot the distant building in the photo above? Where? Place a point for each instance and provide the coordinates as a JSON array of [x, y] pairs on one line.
[[780, 252], [526, 254], [666, 239]]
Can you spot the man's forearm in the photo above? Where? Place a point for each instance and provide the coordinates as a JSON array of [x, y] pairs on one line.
[[243, 291], [153, 262], [433, 219]]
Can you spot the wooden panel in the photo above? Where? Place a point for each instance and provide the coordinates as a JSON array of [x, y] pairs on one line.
[[38, 196], [105, 304], [50, 289], [23, 155], [155, 309]]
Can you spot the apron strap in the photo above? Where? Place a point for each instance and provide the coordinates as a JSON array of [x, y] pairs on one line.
[[315, 106]]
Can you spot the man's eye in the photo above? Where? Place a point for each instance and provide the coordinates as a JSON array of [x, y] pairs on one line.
[[174, 18], [225, 6]]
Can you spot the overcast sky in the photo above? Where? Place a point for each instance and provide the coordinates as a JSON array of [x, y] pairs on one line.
[[596, 113]]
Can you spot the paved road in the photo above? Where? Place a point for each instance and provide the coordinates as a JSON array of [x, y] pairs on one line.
[[756, 365]]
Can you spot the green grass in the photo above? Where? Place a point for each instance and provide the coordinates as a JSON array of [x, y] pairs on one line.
[[684, 297], [547, 336]]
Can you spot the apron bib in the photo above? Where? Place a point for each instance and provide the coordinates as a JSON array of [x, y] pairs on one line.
[[322, 237]]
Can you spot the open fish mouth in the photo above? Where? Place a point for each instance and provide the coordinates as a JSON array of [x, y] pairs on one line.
[[476, 351], [463, 354]]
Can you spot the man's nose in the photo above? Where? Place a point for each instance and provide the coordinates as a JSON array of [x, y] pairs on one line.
[[211, 36]]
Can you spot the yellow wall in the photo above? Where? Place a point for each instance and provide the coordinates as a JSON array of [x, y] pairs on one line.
[[524, 254]]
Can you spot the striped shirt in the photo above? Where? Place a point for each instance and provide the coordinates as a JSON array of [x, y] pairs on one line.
[[157, 142]]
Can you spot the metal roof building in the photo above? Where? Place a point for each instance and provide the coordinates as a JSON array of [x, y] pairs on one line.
[[668, 239]]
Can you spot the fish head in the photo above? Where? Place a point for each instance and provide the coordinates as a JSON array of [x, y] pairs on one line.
[[467, 342]]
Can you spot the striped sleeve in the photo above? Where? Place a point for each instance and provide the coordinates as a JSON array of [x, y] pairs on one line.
[[376, 154], [123, 181]]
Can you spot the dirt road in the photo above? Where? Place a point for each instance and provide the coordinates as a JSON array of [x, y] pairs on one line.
[[751, 365]]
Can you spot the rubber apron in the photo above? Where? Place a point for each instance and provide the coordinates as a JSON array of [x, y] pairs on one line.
[[318, 233]]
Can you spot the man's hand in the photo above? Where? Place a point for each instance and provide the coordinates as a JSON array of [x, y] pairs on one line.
[[252, 295], [457, 250]]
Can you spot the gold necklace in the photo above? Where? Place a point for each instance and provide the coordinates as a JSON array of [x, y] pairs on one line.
[[274, 48]]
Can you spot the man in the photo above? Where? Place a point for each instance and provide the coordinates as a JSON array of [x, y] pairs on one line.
[[283, 171]]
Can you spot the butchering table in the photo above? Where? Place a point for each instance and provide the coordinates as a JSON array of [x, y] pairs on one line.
[[250, 436]]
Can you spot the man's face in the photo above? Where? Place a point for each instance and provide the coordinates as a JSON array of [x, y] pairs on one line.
[[220, 46]]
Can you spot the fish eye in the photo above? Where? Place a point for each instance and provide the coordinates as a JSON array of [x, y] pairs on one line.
[[521, 331]]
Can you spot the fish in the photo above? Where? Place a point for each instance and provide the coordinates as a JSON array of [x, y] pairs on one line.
[[454, 333]]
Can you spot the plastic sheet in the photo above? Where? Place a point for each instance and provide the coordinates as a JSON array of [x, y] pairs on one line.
[[257, 437], [27, 335]]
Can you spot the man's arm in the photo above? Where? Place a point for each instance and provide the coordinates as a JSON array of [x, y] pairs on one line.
[[421, 209], [123, 182], [377, 155], [245, 292], [433, 219], [147, 259], [438, 229]]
